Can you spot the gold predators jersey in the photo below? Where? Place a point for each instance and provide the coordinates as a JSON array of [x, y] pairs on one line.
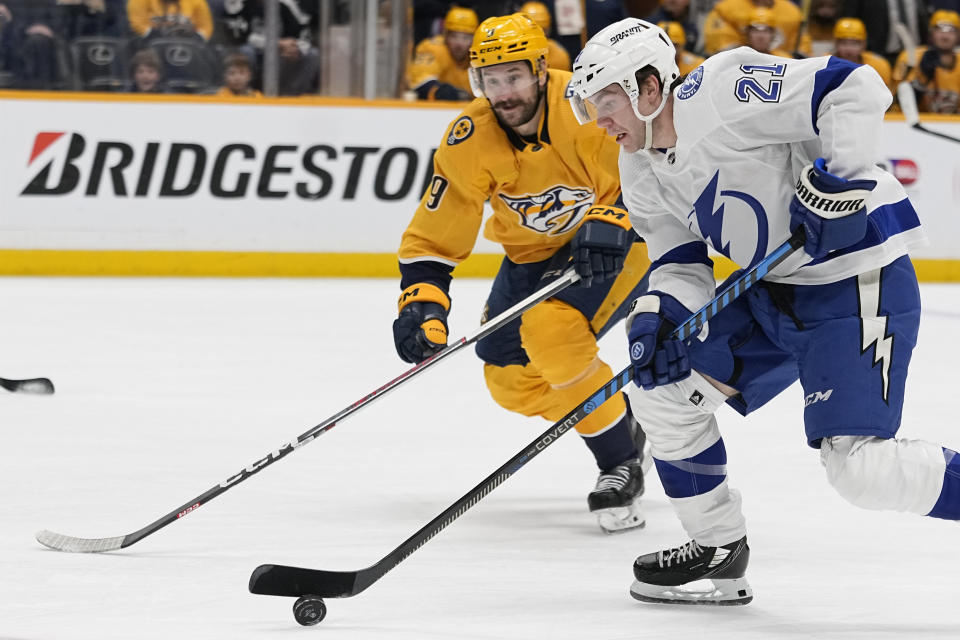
[[687, 62], [432, 61], [726, 23], [881, 66], [557, 56], [539, 189], [942, 91]]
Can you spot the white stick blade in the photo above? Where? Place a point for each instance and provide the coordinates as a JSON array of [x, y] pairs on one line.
[[60, 542]]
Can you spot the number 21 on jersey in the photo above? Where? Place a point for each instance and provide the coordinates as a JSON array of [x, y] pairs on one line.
[[761, 82]]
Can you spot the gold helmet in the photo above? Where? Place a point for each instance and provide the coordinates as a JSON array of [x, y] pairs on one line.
[[675, 32], [944, 17], [761, 17], [506, 39], [461, 20], [849, 29], [538, 12]]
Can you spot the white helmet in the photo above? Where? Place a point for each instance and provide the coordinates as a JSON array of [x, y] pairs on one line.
[[613, 56]]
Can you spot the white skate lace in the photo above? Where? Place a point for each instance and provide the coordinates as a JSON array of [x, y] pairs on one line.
[[613, 479], [680, 554]]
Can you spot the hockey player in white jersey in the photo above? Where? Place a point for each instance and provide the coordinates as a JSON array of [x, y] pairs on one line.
[[745, 150]]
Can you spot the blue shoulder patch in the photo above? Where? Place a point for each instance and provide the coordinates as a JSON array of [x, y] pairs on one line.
[[691, 84], [460, 131]]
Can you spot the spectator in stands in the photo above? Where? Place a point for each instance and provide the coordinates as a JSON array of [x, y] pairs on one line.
[[33, 48], [850, 43], [823, 18], [440, 64], [6, 50], [678, 11], [761, 32], [147, 72], [237, 74], [243, 29], [599, 14], [686, 61], [879, 16], [87, 18], [936, 78], [170, 18], [726, 25], [428, 18], [557, 56]]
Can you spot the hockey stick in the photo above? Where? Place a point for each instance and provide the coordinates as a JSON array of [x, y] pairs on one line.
[[803, 26], [908, 44], [41, 386], [62, 542], [315, 584], [908, 105]]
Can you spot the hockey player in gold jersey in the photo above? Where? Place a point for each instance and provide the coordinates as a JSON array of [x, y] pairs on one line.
[[557, 56], [726, 25], [554, 191], [438, 70], [850, 39], [936, 76], [686, 60]]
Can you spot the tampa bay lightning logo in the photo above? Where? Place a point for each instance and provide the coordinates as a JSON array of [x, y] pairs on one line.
[[636, 351], [553, 212], [710, 220], [691, 84]]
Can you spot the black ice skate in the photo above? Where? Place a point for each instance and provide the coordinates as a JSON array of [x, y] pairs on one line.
[[616, 498], [692, 574]]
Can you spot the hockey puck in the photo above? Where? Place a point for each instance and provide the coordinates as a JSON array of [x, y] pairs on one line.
[[309, 610]]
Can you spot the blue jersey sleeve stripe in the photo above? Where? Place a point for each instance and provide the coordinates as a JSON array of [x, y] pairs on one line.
[[883, 223], [690, 253], [825, 81]]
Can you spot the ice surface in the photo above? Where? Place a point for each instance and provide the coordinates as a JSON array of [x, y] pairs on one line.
[[167, 387]]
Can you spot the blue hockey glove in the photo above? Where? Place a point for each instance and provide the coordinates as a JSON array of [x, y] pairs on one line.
[[601, 243], [657, 358], [421, 328], [830, 209]]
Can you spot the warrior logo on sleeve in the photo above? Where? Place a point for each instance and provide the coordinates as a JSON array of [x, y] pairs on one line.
[[553, 212]]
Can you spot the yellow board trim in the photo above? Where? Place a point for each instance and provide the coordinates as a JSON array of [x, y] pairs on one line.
[[14, 262], [41, 262]]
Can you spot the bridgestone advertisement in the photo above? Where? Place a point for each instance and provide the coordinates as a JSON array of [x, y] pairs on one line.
[[214, 176]]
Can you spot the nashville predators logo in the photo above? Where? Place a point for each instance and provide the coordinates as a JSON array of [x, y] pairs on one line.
[[460, 131], [553, 212]]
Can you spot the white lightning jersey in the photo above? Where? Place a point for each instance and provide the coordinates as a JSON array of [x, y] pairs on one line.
[[747, 123]]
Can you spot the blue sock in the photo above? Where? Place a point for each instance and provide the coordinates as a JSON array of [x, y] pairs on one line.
[[613, 446]]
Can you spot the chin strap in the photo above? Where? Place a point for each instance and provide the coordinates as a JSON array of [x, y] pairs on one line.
[[648, 120]]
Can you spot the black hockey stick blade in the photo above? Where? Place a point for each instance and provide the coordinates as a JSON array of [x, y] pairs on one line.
[[41, 386], [281, 580]]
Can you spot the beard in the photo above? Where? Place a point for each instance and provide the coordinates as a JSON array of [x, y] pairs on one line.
[[526, 112]]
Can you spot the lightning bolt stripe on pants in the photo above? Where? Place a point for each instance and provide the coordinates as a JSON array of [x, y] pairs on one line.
[[873, 325]]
